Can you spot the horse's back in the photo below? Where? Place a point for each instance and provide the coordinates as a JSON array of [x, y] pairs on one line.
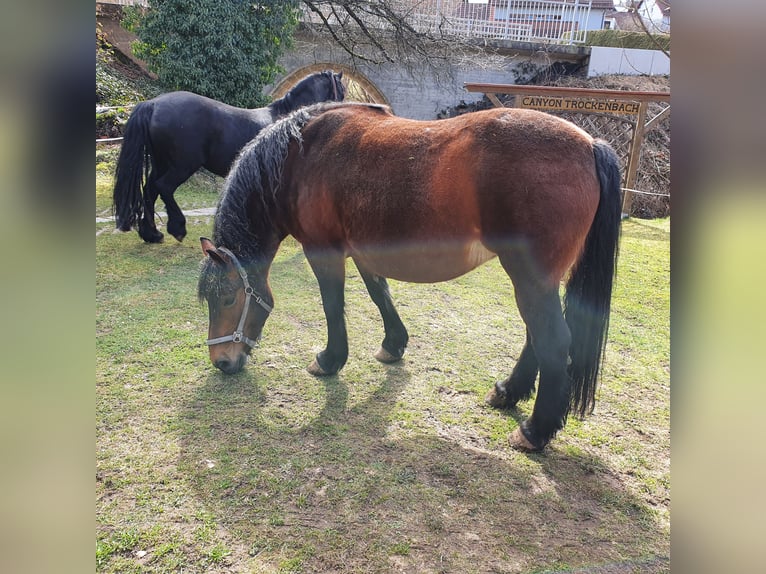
[[446, 193], [194, 130], [536, 184]]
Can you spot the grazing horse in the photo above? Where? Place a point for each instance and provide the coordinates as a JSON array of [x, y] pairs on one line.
[[427, 201], [178, 133]]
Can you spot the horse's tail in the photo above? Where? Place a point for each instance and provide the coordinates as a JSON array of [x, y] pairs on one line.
[[132, 167], [589, 289]]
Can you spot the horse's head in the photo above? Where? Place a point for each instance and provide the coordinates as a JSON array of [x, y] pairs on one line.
[[238, 304]]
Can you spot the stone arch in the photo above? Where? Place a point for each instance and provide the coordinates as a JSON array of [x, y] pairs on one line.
[[358, 87]]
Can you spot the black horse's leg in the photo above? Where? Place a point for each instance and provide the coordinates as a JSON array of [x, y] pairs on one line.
[[147, 229], [540, 307], [395, 341], [520, 384], [166, 186], [330, 270]]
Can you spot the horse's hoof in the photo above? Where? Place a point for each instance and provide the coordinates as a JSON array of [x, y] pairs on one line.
[[496, 399], [520, 442], [154, 238], [385, 357], [316, 370], [178, 232]]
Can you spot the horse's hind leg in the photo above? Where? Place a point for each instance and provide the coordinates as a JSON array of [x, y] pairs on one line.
[[520, 384], [540, 307], [147, 229], [330, 270], [395, 341]]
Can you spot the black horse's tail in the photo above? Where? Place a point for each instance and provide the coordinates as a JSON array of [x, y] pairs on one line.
[[589, 289], [132, 167]]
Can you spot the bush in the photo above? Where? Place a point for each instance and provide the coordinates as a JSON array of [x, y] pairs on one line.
[[223, 49], [110, 123], [622, 39]]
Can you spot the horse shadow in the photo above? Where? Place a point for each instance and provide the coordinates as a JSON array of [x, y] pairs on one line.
[[330, 472]]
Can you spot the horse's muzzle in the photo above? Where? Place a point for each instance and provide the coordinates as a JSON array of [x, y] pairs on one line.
[[230, 366]]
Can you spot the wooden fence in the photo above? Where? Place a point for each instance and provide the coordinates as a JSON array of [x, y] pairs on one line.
[[617, 116]]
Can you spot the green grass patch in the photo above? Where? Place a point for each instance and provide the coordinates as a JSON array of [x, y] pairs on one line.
[[200, 190], [380, 467]]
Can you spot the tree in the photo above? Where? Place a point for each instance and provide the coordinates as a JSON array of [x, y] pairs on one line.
[[224, 49], [648, 16]]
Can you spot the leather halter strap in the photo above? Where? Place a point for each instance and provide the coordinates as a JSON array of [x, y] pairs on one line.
[[239, 336]]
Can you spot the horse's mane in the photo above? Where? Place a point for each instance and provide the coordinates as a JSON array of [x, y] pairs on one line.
[[255, 176], [285, 104], [257, 173]]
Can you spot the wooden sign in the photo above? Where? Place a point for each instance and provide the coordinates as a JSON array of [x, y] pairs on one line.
[[586, 105]]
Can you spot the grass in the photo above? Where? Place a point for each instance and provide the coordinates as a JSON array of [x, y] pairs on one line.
[[380, 467], [200, 191]]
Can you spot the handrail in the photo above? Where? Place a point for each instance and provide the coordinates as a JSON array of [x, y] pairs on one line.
[[639, 96]]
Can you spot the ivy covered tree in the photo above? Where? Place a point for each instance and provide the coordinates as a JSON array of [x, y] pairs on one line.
[[223, 49]]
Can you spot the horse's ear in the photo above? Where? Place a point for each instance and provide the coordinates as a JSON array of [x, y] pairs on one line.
[[340, 75], [209, 249], [207, 245]]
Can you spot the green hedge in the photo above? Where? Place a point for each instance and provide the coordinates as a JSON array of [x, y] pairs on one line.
[[622, 39]]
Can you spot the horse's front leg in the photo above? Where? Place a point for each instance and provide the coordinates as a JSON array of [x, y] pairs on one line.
[[330, 270], [166, 187]]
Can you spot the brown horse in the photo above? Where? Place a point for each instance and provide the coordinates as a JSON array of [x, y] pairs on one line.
[[425, 202]]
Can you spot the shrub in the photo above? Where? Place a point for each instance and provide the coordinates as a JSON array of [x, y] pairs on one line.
[[223, 49], [622, 39]]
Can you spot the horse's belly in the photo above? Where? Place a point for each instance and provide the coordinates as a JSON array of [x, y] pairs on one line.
[[423, 262]]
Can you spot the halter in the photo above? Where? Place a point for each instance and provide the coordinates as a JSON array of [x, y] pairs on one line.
[[238, 336]]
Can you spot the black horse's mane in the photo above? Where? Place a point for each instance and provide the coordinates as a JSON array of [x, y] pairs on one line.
[[285, 104]]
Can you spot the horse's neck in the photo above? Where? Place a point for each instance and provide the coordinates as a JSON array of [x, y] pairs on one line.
[[282, 106], [263, 116]]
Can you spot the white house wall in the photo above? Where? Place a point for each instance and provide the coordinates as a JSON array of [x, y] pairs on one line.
[[627, 61]]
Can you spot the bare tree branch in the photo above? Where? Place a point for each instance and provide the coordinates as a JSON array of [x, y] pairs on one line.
[[331, 29], [634, 8], [377, 31], [350, 11]]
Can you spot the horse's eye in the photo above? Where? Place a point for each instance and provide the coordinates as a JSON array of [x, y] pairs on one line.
[[228, 300]]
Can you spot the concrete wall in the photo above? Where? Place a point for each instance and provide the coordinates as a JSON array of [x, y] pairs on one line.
[[417, 91], [628, 61]]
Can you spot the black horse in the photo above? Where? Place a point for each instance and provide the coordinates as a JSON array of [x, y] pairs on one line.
[[178, 133]]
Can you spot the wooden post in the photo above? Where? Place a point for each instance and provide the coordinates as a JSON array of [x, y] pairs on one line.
[[633, 160], [553, 98], [494, 99]]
